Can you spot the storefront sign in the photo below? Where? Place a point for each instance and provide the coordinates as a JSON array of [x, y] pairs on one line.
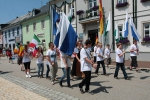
[[41, 35], [17, 39]]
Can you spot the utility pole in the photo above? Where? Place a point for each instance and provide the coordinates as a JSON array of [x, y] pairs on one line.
[[113, 39]]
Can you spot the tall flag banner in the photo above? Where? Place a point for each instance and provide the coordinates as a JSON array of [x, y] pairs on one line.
[[101, 17], [126, 26], [21, 49], [116, 33], [107, 26], [66, 37], [35, 41], [123, 30], [55, 17], [134, 30], [70, 15], [96, 40], [16, 50]]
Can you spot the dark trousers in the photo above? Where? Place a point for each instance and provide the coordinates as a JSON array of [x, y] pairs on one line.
[[120, 65], [134, 61], [98, 66], [86, 80], [47, 72], [94, 59]]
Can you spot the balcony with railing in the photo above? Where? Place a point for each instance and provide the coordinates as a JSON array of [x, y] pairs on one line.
[[88, 15]]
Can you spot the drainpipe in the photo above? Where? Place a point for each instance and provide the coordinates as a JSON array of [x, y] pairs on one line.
[[76, 14], [113, 39], [133, 10], [50, 21]]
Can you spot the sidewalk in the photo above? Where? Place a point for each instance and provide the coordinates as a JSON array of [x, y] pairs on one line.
[[11, 91]]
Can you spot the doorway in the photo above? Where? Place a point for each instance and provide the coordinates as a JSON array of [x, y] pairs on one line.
[[92, 34]]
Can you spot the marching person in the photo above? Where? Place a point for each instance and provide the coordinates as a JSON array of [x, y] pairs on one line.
[[39, 60], [100, 59], [120, 62], [20, 57], [76, 62], [134, 51], [52, 58], [107, 55], [95, 48], [26, 60], [10, 56], [86, 67], [65, 65]]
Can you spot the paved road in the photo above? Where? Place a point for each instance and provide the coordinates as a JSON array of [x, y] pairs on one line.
[[106, 88]]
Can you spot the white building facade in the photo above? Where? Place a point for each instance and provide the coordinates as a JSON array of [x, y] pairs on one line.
[[139, 11]]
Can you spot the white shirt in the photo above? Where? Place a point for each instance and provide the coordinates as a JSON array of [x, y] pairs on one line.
[[99, 51], [107, 53], [52, 54], [76, 50], [133, 47], [39, 60], [85, 66], [25, 57], [119, 59], [95, 48], [62, 64]]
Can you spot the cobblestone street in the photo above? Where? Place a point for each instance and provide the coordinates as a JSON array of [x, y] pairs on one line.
[[104, 87]]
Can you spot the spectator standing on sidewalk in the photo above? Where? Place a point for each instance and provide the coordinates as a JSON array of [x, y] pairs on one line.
[[65, 65], [86, 67], [26, 60], [10, 56], [100, 59], [107, 55], [120, 61], [134, 51], [39, 60], [52, 59]]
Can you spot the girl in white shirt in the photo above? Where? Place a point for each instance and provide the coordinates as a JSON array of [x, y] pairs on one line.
[[26, 60], [39, 60]]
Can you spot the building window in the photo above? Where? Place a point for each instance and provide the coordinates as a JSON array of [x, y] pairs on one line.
[[71, 6], [120, 31], [34, 26], [43, 24], [13, 32], [9, 33], [92, 3], [121, 1], [17, 31], [146, 29], [27, 28]]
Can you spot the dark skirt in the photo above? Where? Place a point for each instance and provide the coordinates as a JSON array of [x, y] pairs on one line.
[[73, 71]]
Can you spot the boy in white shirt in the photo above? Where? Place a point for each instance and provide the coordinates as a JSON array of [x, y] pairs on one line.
[[95, 48], [134, 51], [120, 61], [86, 67], [100, 59], [107, 55]]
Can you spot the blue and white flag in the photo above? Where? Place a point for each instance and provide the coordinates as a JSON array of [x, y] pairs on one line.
[[66, 37], [55, 17], [126, 26], [134, 31]]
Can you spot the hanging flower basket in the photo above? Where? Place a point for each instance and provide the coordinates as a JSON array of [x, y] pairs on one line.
[[146, 39], [123, 41], [144, 0], [95, 8], [121, 4], [80, 12]]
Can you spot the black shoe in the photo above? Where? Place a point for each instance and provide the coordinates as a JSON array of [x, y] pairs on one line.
[[69, 86], [89, 92], [127, 78], [82, 91], [116, 77], [96, 73], [137, 71], [60, 83]]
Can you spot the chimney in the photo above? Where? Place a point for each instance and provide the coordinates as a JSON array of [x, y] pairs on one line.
[[29, 11], [16, 17]]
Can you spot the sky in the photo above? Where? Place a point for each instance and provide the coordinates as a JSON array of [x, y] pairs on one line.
[[10, 9]]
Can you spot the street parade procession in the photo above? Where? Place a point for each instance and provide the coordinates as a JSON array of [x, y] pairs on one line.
[[70, 62]]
